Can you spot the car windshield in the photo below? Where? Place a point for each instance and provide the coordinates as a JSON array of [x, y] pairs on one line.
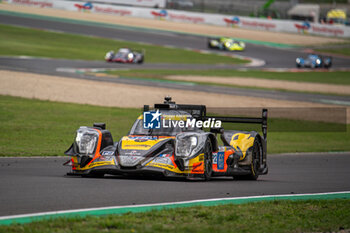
[[313, 57], [171, 125], [124, 50], [121, 55]]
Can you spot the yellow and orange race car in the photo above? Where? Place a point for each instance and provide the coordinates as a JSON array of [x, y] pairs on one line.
[[172, 140]]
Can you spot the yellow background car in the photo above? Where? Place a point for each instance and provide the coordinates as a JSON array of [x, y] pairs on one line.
[[225, 43]]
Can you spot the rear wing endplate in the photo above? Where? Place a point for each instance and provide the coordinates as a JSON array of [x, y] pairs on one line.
[[250, 120]]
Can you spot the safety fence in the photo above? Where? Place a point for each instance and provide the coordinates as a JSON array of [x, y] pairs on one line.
[[274, 25]]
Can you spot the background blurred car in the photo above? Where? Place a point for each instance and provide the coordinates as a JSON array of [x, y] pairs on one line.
[[225, 43], [125, 55], [314, 61]]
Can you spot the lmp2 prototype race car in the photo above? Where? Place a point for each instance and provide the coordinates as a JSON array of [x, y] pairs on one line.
[[314, 61], [170, 141], [125, 55], [225, 43]]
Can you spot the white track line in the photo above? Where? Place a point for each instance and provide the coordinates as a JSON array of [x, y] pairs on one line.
[[163, 204]]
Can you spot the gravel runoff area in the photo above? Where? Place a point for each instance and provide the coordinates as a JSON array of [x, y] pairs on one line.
[[46, 87], [267, 83], [180, 27]]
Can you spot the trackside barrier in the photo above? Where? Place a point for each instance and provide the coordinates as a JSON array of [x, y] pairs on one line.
[[274, 25]]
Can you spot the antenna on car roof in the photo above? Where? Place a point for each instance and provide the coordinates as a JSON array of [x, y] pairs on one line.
[[167, 100]]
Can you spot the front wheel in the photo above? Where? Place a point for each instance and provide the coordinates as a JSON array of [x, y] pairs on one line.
[[141, 60], [208, 160]]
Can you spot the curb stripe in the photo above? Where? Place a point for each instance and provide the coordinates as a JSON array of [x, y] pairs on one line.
[[27, 218]]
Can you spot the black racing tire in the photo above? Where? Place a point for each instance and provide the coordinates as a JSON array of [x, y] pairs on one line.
[[328, 66], [255, 163], [208, 160]]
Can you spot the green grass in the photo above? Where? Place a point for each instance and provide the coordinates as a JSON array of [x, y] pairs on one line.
[[337, 77], [43, 128], [341, 51], [275, 216], [32, 42]]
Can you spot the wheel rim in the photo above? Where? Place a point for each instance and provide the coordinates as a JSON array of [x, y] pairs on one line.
[[255, 159]]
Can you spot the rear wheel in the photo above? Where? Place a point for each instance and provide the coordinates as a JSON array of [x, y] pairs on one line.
[[255, 163], [208, 161]]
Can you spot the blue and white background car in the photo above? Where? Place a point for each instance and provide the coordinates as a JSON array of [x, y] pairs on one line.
[[314, 61]]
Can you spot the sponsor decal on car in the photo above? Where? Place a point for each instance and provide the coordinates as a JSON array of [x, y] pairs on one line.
[[220, 160], [107, 153], [130, 143]]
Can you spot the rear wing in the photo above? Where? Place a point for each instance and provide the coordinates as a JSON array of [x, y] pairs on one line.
[[200, 113], [249, 120]]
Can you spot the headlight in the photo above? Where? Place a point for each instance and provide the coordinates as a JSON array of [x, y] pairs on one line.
[[298, 60], [318, 61], [130, 56], [188, 145], [227, 44], [86, 140], [108, 55]]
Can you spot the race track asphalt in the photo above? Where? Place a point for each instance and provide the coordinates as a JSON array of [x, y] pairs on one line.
[[274, 57], [31, 185], [53, 66]]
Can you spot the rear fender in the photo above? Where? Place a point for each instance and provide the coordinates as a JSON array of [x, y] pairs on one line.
[[241, 141]]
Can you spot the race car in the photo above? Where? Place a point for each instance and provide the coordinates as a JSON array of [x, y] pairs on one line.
[[171, 140], [314, 61], [225, 43], [125, 55]]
